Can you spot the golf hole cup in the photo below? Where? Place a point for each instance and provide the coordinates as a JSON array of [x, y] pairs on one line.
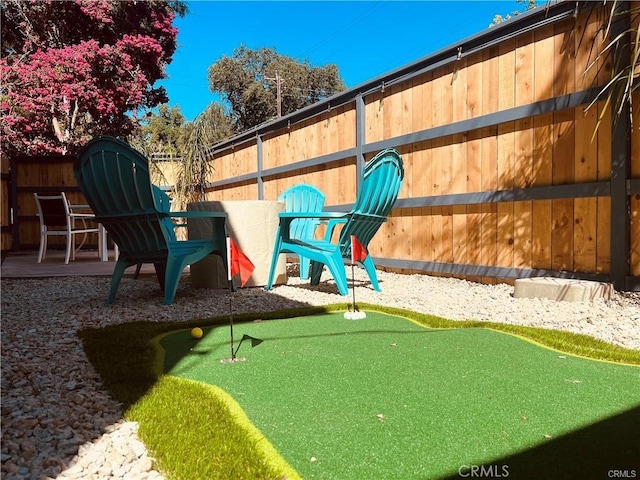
[[354, 315], [196, 333]]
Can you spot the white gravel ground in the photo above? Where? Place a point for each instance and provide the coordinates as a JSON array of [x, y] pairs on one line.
[[58, 422]]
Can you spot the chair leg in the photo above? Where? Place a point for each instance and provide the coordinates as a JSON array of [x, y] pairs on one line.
[[161, 268], [316, 272], [336, 267], [118, 271], [43, 247], [172, 278], [70, 243], [370, 267], [304, 268], [274, 260]]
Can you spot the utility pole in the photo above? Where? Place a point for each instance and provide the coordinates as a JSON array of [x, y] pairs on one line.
[[278, 80]]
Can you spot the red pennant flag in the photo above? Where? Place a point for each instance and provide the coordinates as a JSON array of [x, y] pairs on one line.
[[239, 263], [358, 251]]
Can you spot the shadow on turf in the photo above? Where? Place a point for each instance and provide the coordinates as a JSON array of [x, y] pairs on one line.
[[607, 449], [126, 358], [171, 362]]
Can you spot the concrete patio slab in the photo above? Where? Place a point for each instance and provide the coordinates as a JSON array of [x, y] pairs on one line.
[[570, 290], [87, 263]]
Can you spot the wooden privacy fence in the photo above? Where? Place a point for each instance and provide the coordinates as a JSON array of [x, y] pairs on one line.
[[504, 176], [38, 174], [41, 174], [5, 205]]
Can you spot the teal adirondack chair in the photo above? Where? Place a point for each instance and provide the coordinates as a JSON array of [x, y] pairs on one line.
[[114, 179], [379, 188], [303, 198]]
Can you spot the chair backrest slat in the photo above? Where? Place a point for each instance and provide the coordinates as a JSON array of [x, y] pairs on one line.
[[303, 198], [114, 179], [381, 182]]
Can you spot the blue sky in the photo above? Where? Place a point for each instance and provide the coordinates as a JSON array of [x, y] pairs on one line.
[[364, 39]]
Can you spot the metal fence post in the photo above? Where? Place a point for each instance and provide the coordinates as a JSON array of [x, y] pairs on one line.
[[260, 167], [620, 154], [360, 138]]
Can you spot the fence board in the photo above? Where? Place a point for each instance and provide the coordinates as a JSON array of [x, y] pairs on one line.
[[544, 63], [6, 237], [586, 170], [373, 117], [563, 58], [523, 211], [635, 199], [562, 215]]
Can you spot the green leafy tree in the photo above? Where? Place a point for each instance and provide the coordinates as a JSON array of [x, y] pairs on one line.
[[75, 69], [259, 84], [165, 134], [162, 132]]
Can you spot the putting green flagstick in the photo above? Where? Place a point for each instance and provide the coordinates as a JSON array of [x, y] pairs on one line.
[[233, 355], [353, 286], [356, 313], [230, 278], [238, 347]]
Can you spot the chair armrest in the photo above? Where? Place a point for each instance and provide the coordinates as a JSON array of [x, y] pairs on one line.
[[318, 215], [201, 228], [331, 225], [333, 219], [82, 206]]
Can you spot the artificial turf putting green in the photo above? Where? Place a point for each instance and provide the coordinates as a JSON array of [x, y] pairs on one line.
[[384, 397]]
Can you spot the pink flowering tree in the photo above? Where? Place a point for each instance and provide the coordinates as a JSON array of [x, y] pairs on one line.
[[76, 69]]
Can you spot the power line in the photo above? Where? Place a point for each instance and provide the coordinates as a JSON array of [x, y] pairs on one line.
[[341, 31]]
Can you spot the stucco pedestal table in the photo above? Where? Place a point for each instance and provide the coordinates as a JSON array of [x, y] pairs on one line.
[[253, 225]]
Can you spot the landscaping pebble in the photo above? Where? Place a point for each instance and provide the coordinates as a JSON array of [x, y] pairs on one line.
[[58, 422]]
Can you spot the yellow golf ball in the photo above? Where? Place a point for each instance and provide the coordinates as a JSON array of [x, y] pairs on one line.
[[196, 332]]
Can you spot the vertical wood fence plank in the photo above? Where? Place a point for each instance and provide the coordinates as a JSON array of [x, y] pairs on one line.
[[459, 83], [603, 239], [489, 148], [635, 199], [6, 237], [563, 171], [585, 209], [506, 160], [523, 144], [460, 239], [474, 162], [542, 176], [542, 161], [373, 117], [523, 211]]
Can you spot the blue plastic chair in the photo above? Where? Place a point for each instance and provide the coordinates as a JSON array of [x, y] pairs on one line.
[[114, 179], [382, 179], [303, 198]]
